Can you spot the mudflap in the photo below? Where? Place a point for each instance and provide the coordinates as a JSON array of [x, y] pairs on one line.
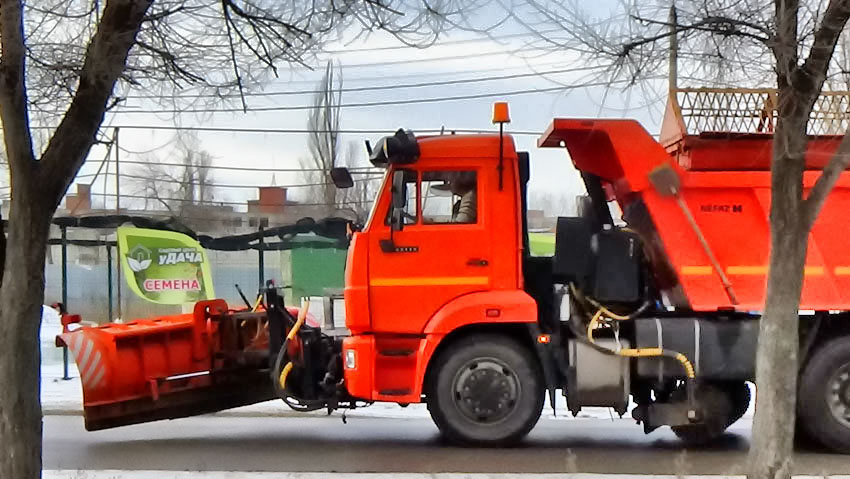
[[170, 367]]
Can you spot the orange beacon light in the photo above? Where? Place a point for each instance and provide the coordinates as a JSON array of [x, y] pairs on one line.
[[500, 112]]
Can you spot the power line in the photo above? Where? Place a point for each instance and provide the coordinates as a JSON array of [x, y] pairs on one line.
[[438, 59], [364, 169], [444, 73], [380, 131], [379, 103], [381, 87], [244, 168], [449, 42], [236, 203], [217, 185]]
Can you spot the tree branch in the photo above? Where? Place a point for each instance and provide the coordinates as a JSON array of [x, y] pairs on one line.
[[814, 69], [13, 92], [826, 181], [710, 24], [228, 22], [106, 57]]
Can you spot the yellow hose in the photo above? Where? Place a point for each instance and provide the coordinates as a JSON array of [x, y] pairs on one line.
[[640, 352], [257, 303], [283, 374], [686, 363], [302, 316], [592, 325]]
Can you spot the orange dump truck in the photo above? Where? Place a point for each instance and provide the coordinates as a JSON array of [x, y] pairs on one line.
[[445, 305]]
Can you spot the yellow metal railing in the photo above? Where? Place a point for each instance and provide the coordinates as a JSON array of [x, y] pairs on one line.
[[704, 110]]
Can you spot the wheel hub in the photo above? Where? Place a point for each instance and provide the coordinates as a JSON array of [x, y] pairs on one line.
[[486, 391], [838, 395]]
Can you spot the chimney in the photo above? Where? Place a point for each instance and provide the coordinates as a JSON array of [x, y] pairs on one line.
[[80, 202], [272, 201]]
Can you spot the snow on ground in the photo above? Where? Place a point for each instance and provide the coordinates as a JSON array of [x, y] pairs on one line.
[[115, 474], [60, 396]]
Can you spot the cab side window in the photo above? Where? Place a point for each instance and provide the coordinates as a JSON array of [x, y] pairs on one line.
[[449, 197]]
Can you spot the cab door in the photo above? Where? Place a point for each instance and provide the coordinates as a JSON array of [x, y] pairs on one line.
[[437, 256]]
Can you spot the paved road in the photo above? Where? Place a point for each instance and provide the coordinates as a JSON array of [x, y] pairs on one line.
[[325, 444]]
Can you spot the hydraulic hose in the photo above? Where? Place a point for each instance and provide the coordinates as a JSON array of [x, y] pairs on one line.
[[283, 375], [257, 303], [302, 315], [280, 372], [604, 313], [642, 352]]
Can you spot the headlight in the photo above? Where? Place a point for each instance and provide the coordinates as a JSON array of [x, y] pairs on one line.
[[350, 359]]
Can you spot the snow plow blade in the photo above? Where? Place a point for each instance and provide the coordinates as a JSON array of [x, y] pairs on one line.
[[172, 366]]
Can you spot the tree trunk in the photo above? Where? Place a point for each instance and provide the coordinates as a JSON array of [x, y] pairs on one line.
[[38, 187], [776, 365], [778, 345], [21, 297], [2, 250]]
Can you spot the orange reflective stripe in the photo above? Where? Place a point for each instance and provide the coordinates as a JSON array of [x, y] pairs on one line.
[[697, 270], [430, 281], [758, 270], [814, 270], [747, 270]]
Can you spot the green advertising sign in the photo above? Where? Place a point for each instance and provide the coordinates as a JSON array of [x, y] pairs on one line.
[[165, 267]]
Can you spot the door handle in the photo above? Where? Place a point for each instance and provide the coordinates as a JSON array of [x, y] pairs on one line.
[[477, 262]]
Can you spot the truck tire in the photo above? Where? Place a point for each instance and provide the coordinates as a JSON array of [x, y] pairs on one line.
[[823, 407], [717, 403], [485, 390], [739, 393]]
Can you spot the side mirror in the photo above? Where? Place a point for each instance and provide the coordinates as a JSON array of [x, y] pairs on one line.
[[399, 198], [341, 177]]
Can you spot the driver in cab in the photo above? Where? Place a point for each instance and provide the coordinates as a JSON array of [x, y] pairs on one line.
[[465, 209]]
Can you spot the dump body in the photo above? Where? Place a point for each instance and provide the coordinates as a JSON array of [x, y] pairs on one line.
[[725, 183]]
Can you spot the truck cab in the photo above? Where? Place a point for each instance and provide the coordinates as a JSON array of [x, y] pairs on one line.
[[440, 255]]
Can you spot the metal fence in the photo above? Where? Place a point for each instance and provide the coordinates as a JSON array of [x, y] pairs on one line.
[[739, 110], [82, 269]]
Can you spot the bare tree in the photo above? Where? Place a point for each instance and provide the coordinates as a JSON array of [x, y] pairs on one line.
[[323, 126], [325, 147], [788, 44], [176, 188], [357, 200], [64, 64]]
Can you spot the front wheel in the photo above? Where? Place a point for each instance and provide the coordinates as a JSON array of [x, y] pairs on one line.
[[824, 396], [485, 390]]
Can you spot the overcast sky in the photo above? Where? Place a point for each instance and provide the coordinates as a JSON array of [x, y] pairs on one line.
[[379, 61]]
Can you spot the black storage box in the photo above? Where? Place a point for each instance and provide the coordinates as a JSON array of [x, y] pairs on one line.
[[573, 258], [616, 273]]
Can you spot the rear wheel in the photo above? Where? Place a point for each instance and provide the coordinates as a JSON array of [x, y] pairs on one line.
[[719, 413], [823, 407], [740, 395], [486, 390]]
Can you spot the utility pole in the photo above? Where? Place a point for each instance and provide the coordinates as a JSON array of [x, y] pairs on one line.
[[117, 212], [673, 73]]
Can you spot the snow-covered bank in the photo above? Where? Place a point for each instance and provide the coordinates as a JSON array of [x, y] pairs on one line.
[[115, 474]]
